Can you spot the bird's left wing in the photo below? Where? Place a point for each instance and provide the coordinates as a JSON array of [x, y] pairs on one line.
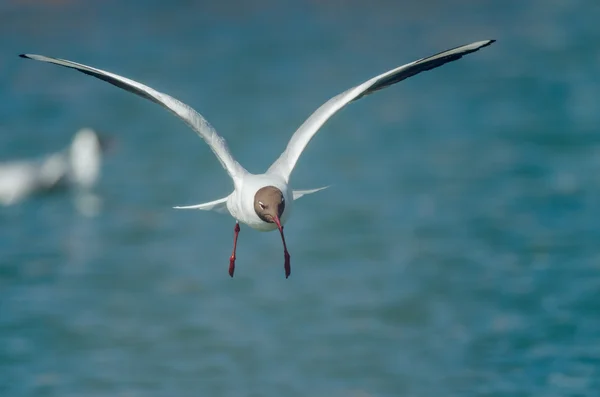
[[284, 165], [183, 111]]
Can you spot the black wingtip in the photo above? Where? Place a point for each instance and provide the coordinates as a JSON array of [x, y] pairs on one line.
[[483, 44], [24, 56]]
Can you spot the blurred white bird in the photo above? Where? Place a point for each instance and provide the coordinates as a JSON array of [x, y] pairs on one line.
[[264, 201], [77, 166]]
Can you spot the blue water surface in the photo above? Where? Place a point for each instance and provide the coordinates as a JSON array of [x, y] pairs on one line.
[[456, 253]]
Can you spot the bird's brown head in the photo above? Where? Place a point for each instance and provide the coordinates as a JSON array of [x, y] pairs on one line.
[[269, 204]]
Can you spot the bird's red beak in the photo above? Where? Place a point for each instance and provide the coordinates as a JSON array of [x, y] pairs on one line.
[[278, 223]]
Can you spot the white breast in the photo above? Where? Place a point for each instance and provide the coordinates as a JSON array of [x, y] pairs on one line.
[[241, 202]]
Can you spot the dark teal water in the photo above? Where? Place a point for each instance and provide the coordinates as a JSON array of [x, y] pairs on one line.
[[457, 252]]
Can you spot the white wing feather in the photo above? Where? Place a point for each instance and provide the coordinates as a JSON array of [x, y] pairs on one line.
[[285, 164], [183, 111]]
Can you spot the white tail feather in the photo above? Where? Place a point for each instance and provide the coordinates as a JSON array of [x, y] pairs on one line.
[[299, 193], [219, 205]]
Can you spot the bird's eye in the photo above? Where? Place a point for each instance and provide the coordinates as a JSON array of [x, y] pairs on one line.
[[262, 206]]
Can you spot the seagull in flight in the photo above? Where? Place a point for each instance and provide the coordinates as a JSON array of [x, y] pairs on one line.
[[264, 201]]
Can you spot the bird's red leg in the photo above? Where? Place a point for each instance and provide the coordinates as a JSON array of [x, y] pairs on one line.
[[236, 231], [286, 254]]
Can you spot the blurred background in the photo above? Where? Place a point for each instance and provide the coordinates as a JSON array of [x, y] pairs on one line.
[[456, 253]]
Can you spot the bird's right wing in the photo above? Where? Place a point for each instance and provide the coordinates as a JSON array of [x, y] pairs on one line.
[[183, 111], [285, 164]]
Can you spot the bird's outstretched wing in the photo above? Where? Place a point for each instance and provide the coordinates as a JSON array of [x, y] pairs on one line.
[[183, 111], [284, 165]]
